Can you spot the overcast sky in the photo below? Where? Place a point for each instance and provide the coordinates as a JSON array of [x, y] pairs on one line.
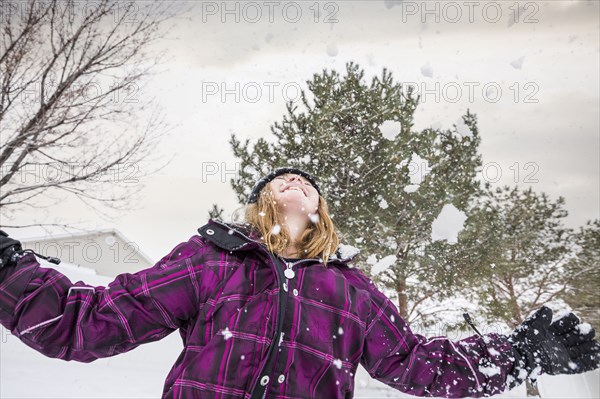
[[545, 121]]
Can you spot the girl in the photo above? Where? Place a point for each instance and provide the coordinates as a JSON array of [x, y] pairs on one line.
[[272, 308]]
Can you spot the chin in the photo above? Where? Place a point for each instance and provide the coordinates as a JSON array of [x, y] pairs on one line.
[[295, 206]]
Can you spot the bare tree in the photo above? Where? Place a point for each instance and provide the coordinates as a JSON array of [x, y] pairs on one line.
[[73, 119]]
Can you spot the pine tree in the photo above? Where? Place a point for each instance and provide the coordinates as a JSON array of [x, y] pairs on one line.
[[584, 269], [380, 195], [514, 249]]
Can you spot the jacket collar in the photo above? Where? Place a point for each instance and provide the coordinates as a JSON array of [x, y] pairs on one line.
[[229, 236], [241, 237]]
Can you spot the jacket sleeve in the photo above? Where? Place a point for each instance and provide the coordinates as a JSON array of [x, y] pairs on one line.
[[49, 313], [473, 367]]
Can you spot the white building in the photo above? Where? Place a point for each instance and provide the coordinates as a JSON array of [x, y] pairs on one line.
[[108, 251]]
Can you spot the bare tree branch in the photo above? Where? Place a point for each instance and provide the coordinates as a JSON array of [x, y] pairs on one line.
[[64, 71]]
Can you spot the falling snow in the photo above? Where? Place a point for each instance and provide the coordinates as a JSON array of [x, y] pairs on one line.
[[383, 204], [332, 50], [448, 224], [584, 328], [489, 371], [573, 366], [518, 63], [347, 251], [383, 264], [390, 129], [427, 70], [462, 128], [411, 188], [493, 352], [226, 333]]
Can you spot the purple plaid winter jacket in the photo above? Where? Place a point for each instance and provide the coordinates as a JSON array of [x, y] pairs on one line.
[[248, 329]]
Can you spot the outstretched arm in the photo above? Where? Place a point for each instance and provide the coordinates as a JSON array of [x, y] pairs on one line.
[[473, 367], [60, 319]]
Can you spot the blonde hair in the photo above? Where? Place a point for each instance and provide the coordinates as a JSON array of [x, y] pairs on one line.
[[318, 240]]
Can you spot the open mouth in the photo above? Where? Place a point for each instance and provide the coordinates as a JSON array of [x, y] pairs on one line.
[[297, 188]]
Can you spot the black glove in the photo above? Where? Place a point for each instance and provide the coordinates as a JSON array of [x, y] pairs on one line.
[[563, 347], [10, 250]]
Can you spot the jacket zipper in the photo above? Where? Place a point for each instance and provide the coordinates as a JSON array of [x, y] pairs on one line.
[[259, 392]]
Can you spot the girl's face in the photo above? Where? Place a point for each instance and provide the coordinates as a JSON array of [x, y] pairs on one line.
[[294, 193]]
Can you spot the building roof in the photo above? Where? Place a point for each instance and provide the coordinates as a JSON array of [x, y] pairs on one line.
[[108, 231]]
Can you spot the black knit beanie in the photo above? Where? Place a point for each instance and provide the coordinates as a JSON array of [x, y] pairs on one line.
[[278, 172]]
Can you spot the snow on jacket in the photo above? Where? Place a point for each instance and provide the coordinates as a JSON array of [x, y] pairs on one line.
[[248, 331]]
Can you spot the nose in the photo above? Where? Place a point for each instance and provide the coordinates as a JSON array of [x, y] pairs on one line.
[[293, 177]]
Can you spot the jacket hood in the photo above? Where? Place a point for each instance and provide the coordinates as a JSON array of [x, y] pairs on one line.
[[243, 236]]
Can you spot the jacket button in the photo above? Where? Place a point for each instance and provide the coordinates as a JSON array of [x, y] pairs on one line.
[[210, 232], [285, 287], [289, 274], [295, 292], [281, 378], [264, 380]]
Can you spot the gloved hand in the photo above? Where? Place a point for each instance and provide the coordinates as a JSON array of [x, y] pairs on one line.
[[563, 347], [10, 250]]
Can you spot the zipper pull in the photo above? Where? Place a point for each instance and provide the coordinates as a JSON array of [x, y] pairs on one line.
[[289, 273], [470, 323]]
